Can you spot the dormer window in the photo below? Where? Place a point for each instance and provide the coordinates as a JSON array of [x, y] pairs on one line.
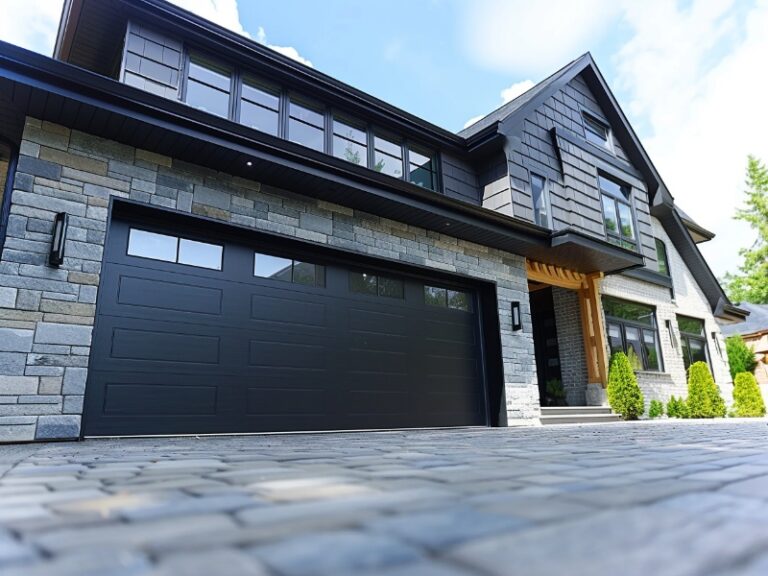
[[208, 86], [596, 131], [617, 213]]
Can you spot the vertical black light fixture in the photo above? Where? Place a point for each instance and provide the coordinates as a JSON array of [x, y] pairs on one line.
[[517, 321], [60, 223]]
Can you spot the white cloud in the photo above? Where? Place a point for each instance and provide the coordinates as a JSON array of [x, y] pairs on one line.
[[696, 77], [533, 38], [222, 12], [507, 95], [31, 24], [290, 51]]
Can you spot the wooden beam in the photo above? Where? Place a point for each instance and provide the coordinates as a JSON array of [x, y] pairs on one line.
[[554, 275]]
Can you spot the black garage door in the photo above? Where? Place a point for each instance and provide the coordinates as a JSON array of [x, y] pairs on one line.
[[201, 335]]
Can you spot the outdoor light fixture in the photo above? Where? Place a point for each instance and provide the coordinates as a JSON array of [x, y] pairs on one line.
[[517, 321], [60, 223]]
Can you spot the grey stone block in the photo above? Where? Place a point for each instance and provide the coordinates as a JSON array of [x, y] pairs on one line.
[[28, 299], [15, 340], [50, 385], [73, 405], [7, 297], [38, 399], [36, 167], [18, 384], [211, 197], [57, 427], [16, 433], [88, 294], [12, 363], [71, 334], [316, 223], [74, 380]]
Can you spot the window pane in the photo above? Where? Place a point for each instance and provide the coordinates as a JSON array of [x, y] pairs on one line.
[[422, 177], [350, 151], [540, 212], [634, 347], [651, 350], [627, 227], [391, 288], [387, 164], [609, 209], [686, 351], [362, 283], [262, 96], [308, 274], [626, 310], [690, 325], [258, 117], [307, 115], [275, 267], [387, 146], [698, 350], [350, 132], [306, 135], [208, 99], [211, 75], [459, 300], [613, 188], [661, 257], [614, 338], [200, 254], [595, 131], [151, 245], [435, 296]]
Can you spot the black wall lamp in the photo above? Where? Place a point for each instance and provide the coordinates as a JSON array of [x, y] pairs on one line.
[[517, 321], [60, 223]]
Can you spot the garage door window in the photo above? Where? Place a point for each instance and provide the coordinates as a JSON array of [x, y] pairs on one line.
[[363, 283], [168, 248], [445, 298], [287, 270]]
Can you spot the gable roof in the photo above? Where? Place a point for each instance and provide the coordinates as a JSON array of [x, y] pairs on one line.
[[756, 322]]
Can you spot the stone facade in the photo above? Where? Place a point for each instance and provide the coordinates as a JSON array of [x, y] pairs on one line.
[[689, 300], [570, 342], [47, 314]]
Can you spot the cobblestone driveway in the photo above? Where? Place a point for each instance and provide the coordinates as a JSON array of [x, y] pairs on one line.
[[655, 498]]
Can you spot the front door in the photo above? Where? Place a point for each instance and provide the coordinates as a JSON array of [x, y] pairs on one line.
[[546, 347]]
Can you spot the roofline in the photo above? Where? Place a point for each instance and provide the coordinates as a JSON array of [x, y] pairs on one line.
[[698, 229]]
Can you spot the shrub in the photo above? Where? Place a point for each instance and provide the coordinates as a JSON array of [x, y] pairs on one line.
[[747, 399], [624, 395], [555, 393], [672, 409], [656, 409], [704, 399], [682, 409], [741, 358]]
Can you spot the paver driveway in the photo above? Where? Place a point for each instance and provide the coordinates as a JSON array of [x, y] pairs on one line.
[[655, 498]]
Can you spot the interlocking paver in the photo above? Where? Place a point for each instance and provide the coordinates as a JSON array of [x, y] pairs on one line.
[[663, 498]]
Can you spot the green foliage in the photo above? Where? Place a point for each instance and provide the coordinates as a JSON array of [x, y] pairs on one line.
[[624, 395], [704, 399], [677, 408], [656, 409], [750, 283], [555, 393], [747, 399], [741, 358]]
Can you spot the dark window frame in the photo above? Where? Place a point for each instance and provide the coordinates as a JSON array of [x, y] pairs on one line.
[[623, 323], [686, 337], [590, 121], [447, 303], [321, 280], [178, 249], [234, 81], [377, 293], [661, 251], [240, 75], [5, 205], [618, 238], [545, 199]]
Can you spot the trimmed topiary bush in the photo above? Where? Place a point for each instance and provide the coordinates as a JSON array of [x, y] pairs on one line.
[[704, 399], [656, 409], [747, 399], [672, 410], [624, 395], [741, 358]]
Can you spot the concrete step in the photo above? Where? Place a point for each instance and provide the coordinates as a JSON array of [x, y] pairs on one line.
[[577, 415], [573, 410]]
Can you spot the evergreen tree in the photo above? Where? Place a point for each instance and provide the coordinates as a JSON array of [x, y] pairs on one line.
[[747, 399], [624, 395]]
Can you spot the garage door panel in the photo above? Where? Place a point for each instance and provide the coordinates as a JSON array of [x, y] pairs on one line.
[[183, 351]]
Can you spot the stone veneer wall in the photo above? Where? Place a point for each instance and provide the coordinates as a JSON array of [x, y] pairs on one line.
[[47, 314], [689, 301], [570, 342]]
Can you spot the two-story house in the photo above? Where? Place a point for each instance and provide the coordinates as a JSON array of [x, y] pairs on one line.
[[199, 235]]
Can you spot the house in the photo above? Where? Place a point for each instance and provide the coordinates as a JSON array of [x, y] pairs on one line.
[[203, 236], [755, 333]]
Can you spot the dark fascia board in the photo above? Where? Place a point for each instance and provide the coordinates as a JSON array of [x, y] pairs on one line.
[[697, 230], [235, 48], [70, 16], [678, 233], [649, 276], [570, 239]]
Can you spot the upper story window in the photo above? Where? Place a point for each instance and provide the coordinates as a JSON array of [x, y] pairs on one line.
[[632, 329], [350, 142], [596, 131], [661, 257], [306, 124], [617, 213], [693, 340], [540, 196], [387, 156], [260, 107], [208, 86], [422, 167]]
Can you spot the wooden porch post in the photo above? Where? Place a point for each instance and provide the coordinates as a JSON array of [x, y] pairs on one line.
[[593, 329]]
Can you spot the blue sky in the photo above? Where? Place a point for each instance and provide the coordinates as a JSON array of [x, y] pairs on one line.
[[689, 74]]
